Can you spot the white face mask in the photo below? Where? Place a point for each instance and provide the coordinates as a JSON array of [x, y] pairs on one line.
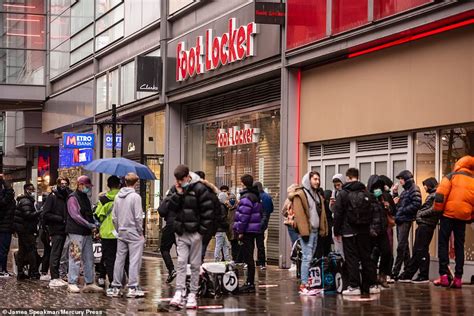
[[33, 195]]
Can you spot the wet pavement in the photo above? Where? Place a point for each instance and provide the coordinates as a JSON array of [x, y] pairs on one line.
[[276, 295]]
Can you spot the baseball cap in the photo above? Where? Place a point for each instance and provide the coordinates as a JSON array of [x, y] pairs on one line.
[[84, 180]]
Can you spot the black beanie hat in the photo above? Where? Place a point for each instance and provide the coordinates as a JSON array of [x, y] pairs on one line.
[[430, 183]]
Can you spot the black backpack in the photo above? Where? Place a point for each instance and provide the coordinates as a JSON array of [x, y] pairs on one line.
[[359, 208]]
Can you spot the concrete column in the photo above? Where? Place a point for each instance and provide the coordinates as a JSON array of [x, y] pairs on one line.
[[174, 143]]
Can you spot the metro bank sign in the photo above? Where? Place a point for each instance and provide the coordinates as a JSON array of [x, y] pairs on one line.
[[211, 52], [73, 140]]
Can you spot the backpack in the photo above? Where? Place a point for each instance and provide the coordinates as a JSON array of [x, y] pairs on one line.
[[360, 211]]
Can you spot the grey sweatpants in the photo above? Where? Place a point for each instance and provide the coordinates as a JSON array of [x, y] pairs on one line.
[[134, 248], [189, 250]]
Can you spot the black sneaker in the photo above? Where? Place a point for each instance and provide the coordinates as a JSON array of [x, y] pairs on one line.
[[22, 276], [420, 280], [247, 288], [404, 279], [171, 277]]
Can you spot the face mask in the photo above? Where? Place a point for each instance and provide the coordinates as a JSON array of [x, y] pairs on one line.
[[33, 195], [232, 202], [86, 190], [185, 185], [377, 192]]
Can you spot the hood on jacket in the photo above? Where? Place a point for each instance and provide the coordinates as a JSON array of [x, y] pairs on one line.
[[22, 196], [112, 193], [124, 192], [195, 178], [222, 196], [405, 175], [465, 164], [431, 184], [375, 182], [340, 177], [259, 186], [354, 186], [386, 180], [306, 182], [252, 189]]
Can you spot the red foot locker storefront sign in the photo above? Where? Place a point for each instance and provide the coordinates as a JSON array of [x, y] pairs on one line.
[[220, 46]]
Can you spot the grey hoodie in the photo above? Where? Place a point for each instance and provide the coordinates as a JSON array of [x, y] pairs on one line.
[[127, 215], [313, 210]]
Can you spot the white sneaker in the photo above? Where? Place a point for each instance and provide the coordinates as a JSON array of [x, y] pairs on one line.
[[374, 289], [191, 303], [92, 288], [73, 288], [45, 277], [135, 292], [390, 280], [292, 268], [57, 283], [101, 282], [113, 292], [351, 291], [4, 275], [177, 300]]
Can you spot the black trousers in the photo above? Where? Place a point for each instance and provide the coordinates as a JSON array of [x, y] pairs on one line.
[[57, 245], [383, 245], [46, 251], [248, 246], [357, 250], [403, 250], [236, 253], [421, 253], [448, 226], [109, 252], [168, 239], [260, 241], [27, 253], [206, 239], [5, 241]]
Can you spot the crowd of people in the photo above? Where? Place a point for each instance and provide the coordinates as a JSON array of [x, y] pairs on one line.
[[354, 219]]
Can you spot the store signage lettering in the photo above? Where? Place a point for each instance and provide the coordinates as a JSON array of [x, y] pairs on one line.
[[211, 52], [71, 140], [236, 136], [108, 141], [131, 147], [270, 13]]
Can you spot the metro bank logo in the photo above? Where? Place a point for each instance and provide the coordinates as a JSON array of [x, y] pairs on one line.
[[72, 140]]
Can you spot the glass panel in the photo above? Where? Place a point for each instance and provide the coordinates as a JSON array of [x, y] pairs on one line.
[[154, 131], [60, 29], [101, 101], [306, 22], [316, 168], [348, 14], [82, 14], [343, 168], [113, 87], [24, 6], [83, 36], [365, 171], [456, 143], [398, 166], [104, 6], [133, 17], [381, 167], [384, 8], [329, 172], [127, 80], [22, 66], [109, 36], [22, 31], [151, 11], [82, 52], [176, 5], [109, 19], [58, 6], [154, 191], [59, 59]]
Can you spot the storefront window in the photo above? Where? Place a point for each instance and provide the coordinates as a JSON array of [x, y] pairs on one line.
[[456, 143], [348, 14], [101, 99], [127, 83], [384, 8]]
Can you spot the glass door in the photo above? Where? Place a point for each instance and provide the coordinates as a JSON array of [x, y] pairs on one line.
[[327, 169], [154, 195]]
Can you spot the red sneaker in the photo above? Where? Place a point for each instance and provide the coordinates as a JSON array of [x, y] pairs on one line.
[[457, 283], [442, 281]]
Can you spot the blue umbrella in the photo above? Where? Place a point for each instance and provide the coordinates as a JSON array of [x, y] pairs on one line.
[[120, 167]]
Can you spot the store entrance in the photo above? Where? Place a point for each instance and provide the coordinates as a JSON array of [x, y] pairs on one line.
[[154, 195]]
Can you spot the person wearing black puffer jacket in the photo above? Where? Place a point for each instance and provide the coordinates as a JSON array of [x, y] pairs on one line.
[[55, 216], [7, 214], [194, 205], [408, 205], [26, 226], [427, 219]]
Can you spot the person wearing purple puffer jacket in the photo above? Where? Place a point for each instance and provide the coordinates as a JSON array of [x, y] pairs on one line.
[[247, 225]]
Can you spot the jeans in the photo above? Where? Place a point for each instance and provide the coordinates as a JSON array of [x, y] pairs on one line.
[[357, 250], [46, 251], [421, 253], [167, 241], [134, 249], [261, 258], [308, 249], [80, 250], [222, 245], [293, 235], [189, 250], [57, 245], [5, 241], [247, 249], [338, 248], [403, 250], [27, 253], [448, 226], [64, 261]]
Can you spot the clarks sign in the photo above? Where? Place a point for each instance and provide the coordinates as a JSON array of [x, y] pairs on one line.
[[210, 52], [235, 136]]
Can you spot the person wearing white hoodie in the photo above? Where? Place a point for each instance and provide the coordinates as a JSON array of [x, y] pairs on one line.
[[127, 217]]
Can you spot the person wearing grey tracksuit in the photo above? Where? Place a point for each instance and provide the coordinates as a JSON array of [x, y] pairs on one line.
[[127, 217]]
